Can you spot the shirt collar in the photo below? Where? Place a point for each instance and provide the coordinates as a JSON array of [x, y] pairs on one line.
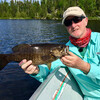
[[93, 37]]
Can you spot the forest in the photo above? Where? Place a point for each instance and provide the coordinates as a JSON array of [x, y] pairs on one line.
[[47, 9]]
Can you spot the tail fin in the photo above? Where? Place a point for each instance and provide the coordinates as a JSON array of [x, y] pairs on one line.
[[3, 61]]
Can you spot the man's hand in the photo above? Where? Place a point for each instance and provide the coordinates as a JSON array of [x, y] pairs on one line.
[[28, 67], [74, 61]]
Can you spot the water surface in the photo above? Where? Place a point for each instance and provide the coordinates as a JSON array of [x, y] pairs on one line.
[[14, 83]]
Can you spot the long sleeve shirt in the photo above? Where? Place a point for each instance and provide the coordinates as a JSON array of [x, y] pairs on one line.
[[88, 83]]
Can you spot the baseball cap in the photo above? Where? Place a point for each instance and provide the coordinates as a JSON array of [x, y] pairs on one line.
[[73, 11]]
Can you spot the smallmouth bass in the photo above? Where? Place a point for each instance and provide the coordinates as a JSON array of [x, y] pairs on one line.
[[38, 53]]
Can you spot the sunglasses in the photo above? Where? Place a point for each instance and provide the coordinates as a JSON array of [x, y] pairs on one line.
[[68, 22]]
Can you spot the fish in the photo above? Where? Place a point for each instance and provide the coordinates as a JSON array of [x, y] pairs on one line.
[[39, 53]]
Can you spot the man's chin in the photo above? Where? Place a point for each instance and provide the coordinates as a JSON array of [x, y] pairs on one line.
[[75, 36]]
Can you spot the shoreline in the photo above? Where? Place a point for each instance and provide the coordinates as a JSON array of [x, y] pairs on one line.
[[90, 18]]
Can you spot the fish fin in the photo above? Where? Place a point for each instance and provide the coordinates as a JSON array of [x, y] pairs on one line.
[[20, 47], [49, 65], [46, 59], [3, 61]]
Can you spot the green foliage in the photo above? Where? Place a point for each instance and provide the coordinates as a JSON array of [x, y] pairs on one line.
[[48, 9]]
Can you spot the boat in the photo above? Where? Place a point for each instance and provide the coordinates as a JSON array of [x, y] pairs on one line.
[[59, 85]]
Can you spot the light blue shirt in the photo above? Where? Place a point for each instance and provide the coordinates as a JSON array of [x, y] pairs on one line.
[[88, 83]]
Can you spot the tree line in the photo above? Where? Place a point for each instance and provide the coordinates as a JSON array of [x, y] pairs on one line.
[[47, 9]]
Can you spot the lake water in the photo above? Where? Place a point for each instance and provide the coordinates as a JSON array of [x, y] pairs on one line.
[[14, 83]]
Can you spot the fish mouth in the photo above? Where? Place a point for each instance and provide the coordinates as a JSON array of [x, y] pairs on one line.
[[66, 50]]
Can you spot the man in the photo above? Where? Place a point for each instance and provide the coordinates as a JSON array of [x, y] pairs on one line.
[[83, 60]]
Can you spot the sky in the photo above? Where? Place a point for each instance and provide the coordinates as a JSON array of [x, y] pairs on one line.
[[18, 0]]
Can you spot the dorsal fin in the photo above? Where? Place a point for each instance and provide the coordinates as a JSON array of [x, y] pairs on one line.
[[20, 47]]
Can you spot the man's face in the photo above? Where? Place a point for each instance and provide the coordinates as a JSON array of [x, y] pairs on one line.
[[78, 29]]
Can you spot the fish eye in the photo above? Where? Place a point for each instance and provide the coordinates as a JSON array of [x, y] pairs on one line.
[[61, 46]]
